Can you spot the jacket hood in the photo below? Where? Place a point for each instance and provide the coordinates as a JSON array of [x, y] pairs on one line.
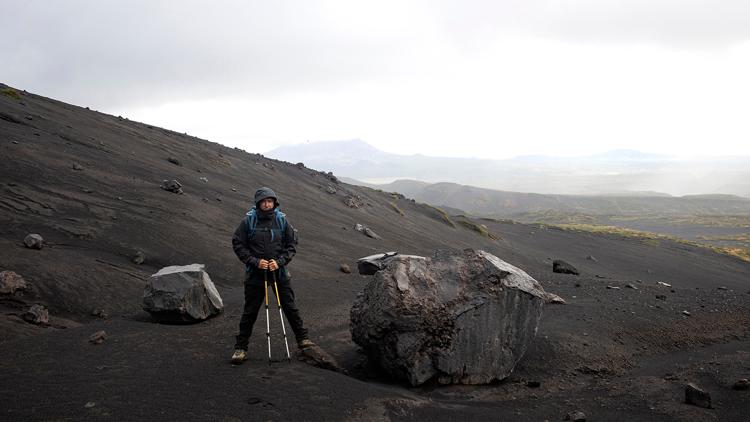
[[264, 193]]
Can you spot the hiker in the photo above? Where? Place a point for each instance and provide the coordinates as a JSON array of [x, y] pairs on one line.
[[265, 242]]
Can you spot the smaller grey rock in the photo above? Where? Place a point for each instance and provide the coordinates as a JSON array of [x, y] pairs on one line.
[[99, 313], [204, 179], [174, 161], [721, 288], [686, 313], [741, 384], [89, 405], [172, 186], [314, 355], [37, 314], [560, 266], [576, 416], [98, 337], [371, 233], [591, 258], [330, 189], [10, 282], [354, 201], [77, 166], [234, 189], [661, 297], [697, 397], [139, 257], [613, 287], [346, 269], [33, 241], [631, 286]]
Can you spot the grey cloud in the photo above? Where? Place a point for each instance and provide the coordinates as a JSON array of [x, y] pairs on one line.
[[703, 24], [107, 53]]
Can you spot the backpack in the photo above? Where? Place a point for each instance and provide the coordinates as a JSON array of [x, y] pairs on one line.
[[252, 222]]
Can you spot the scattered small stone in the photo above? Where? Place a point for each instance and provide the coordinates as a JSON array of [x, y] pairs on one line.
[[697, 397], [33, 241], [639, 281], [686, 313], [99, 313], [37, 314], [661, 297], [578, 284], [10, 282], [14, 142], [346, 269], [204, 179], [613, 287], [29, 118], [300, 165], [77, 166], [354, 201], [234, 189], [218, 199], [599, 276], [98, 337], [139, 257], [560, 266], [174, 161], [591, 258], [366, 230], [172, 186], [119, 198], [661, 283], [330, 189], [631, 286], [90, 404], [741, 384], [722, 288], [87, 190], [576, 416]]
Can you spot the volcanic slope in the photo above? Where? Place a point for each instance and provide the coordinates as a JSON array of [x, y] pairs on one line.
[[89, 184]]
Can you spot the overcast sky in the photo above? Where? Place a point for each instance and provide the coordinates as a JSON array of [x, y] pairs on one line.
[[454, 78]]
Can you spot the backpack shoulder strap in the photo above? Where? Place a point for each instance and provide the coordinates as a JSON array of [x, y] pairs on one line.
[[252, 221]]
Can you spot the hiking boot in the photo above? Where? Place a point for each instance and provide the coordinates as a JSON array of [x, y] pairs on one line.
[[305, 343], [239, 356]]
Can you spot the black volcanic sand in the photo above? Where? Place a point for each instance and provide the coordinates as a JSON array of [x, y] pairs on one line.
[[615, 354]]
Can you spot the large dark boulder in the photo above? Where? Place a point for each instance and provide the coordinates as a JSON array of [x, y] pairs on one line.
[[466, 318], [181, 294]]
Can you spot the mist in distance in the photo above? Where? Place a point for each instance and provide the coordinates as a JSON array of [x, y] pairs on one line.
[[617, 172]]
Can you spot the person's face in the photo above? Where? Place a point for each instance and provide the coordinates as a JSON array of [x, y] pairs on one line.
[[266, 204]]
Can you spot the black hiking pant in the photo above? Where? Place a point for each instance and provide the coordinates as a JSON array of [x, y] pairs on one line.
[[255, 295]]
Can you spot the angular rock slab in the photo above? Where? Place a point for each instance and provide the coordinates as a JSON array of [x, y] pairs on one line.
[[181, 294], [464, 319]]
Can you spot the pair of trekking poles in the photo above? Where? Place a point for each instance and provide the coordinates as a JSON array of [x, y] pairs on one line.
[[281, 316]]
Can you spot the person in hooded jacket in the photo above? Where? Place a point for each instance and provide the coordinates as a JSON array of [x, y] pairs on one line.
[[263, 250]]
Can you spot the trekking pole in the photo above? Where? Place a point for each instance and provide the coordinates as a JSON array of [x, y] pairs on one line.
[[281, 316], [268, 321]]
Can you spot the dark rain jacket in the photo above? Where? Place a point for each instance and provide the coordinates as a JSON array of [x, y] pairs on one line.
[[251, 249], [263, 244]]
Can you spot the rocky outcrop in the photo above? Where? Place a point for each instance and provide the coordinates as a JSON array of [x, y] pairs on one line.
[[180, 294], [464, 319]]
